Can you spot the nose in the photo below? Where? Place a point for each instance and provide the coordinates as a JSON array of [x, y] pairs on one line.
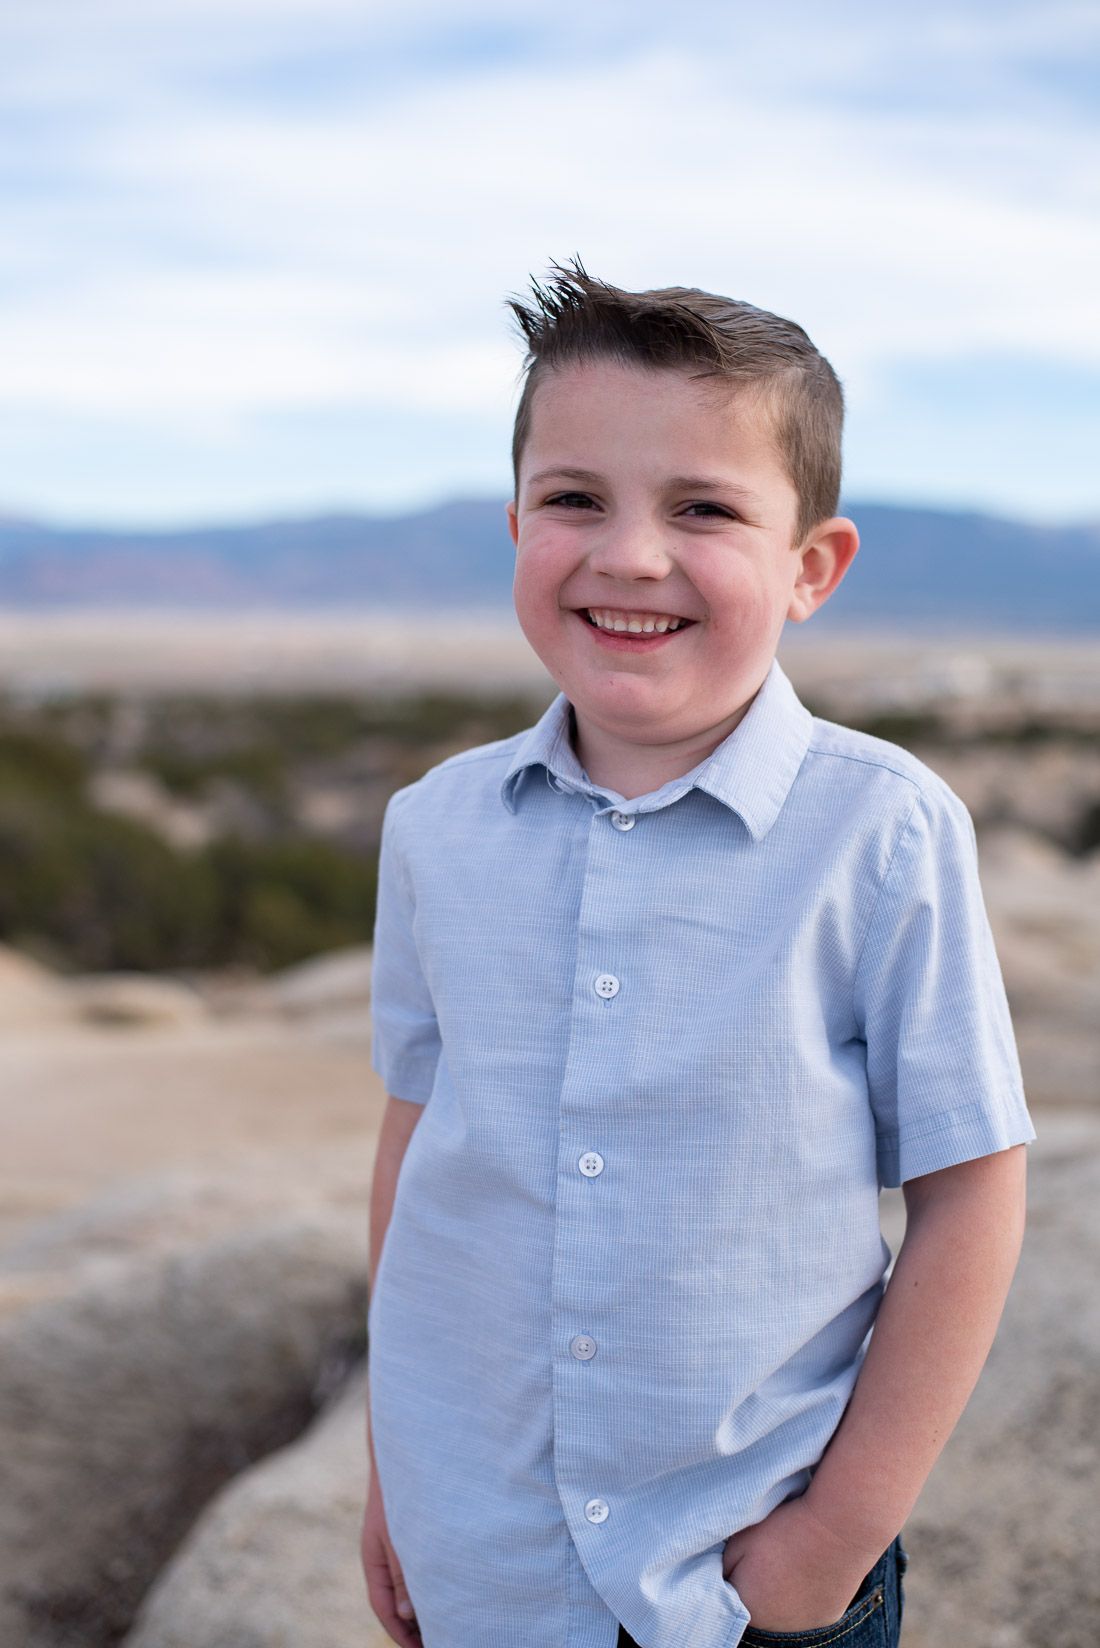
[[627, 550]]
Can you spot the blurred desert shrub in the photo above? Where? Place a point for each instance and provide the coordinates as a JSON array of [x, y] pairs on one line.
[[89, 890], [278, 902], [86, 889]]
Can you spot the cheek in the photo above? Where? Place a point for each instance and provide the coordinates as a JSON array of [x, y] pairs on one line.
[[741, 606], [535, 591]]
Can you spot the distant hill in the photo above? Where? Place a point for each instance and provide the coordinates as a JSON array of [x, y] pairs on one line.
[[915, 567]]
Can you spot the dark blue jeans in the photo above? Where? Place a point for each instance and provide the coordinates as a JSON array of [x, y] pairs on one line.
[[872, 1620]]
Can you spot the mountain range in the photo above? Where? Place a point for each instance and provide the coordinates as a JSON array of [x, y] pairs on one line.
[[915, 567]]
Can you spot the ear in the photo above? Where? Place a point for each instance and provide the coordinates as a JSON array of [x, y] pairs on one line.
[[513, 522], [828, 552]]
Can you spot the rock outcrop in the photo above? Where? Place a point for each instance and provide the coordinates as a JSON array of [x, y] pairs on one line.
[[32, 998], [274, 1560], [126, 1404]]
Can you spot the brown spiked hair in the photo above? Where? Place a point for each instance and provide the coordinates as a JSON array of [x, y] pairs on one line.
[[575, 317]]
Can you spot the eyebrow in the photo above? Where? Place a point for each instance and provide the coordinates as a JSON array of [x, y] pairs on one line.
[[675, 483]]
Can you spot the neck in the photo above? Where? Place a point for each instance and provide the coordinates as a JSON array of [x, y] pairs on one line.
[[632, 769]]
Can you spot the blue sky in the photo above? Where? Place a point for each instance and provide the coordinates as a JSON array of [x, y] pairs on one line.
[[255, 252]]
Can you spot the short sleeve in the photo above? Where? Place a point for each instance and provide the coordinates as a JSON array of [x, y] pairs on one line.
[[942, 1066], [405, 1043]]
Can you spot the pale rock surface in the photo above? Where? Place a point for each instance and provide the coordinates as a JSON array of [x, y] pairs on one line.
[[32, 998], [134, 999], [328, 996], [161, 1215], [323, 999], [340, 978], [127, 1403], [274, 1560]]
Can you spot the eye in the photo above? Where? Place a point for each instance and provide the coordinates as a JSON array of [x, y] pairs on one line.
[[716, 507], [569, 499]]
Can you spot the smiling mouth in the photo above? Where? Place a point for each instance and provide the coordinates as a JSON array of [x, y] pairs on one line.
[[616, 621]]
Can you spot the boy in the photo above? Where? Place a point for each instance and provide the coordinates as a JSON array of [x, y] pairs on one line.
[[665, 989]]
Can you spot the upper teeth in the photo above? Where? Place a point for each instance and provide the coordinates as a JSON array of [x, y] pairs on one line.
[[635, 623]]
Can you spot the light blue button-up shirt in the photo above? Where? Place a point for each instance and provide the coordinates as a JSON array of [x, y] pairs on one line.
[[669, 1049]]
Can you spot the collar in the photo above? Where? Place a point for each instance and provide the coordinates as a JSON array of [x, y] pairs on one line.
[[750, 772]]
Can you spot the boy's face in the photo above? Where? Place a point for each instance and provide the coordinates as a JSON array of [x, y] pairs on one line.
[[684, 511]]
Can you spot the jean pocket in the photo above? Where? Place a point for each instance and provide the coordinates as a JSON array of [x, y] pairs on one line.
[[862, 1625]]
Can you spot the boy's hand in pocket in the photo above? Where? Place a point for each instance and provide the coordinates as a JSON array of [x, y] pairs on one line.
[[791, 1573]]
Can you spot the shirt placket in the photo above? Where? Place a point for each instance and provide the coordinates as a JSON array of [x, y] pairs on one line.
[[581, 1324]]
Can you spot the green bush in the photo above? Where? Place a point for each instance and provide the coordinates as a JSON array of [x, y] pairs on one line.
[[90, 890], [262, 770], [36, 761], [282, 901]]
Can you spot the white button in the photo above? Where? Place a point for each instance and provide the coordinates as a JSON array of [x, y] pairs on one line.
[[597, 1510], [583, 1347], [623, 821], [591, 1163], [607, 985]]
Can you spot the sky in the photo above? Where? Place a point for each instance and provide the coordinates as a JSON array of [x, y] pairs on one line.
[[254, 254]]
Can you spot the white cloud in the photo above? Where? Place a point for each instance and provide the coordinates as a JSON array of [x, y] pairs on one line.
[[181, 249], [353, 246]]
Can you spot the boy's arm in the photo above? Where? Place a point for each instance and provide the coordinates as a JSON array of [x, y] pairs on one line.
[[398, 1124], [932, 1334], [931, 1337]]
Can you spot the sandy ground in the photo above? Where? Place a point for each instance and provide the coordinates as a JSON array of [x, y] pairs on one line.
[[84, 1111], [149, 651]]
